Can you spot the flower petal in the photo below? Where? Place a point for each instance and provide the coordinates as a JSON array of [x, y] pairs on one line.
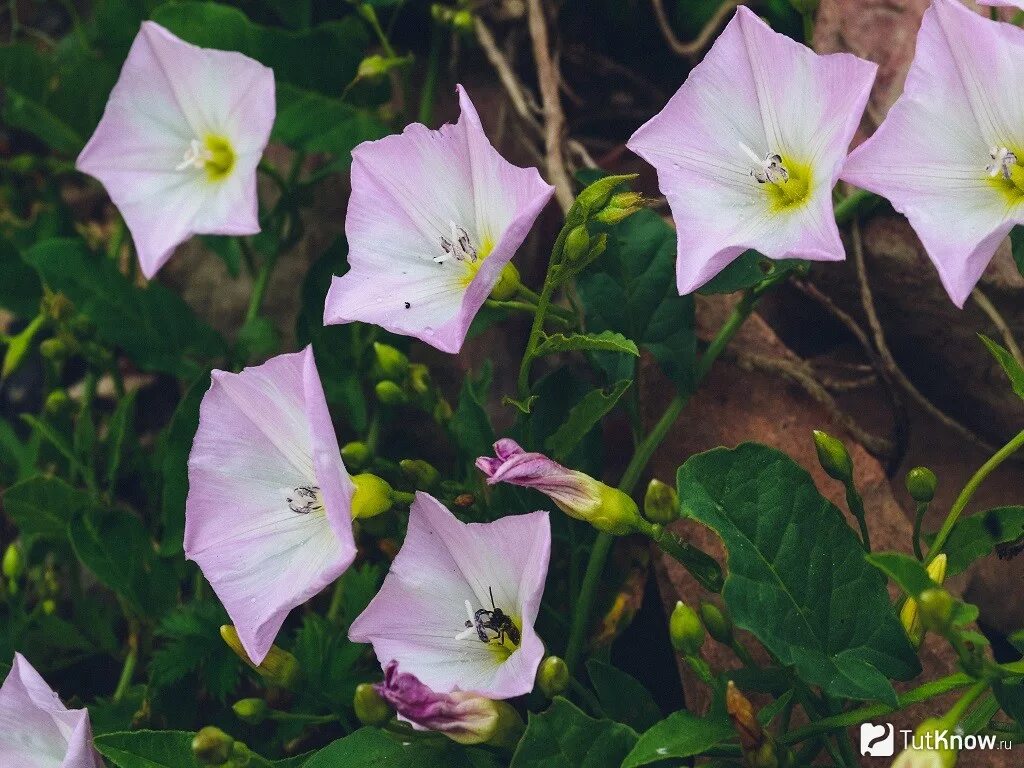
[[263, 435], [36, 729], [929, 156], [760, 90], [443, 563], [408, 194]]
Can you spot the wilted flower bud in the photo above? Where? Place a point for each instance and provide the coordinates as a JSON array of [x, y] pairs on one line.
[[391, 363], [553, 676], [389, 393], [421, 474], [575, 493], [577, 244], [369, 706], [508, 283], [921, 483], [211, 746], [936, 609], [833, 457], [744, 719], [661, 502], [910, 615], [717, 622], [355, 454], [685, 630], [373, 496], [279, 668], [251, 711]]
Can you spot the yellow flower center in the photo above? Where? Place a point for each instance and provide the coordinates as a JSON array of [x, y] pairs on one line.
[[473, 266], [1006, 173], [214, 155], [786, 194]]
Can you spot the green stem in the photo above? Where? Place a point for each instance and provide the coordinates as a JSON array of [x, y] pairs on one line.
[[968, 492], [589, 699], [543, 302], [128, 670], [918, 520], [337, 600], [872, 711], [300, 718], [429, 92], [582, 608], [259, 288], [957, 711], [858, 201], [531, 309]]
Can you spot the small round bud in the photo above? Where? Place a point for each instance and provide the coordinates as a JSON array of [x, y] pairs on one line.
[[373, 496], [251, 711], [58, 401], [553, 676], [462, 21], [373, 66], [508, 283], [717, 622], [620, 207], [211, 746], [419, 378], [392, 363], [420, 473], [49, 606], [13, 563], [390, 393], [577, 244], [685, 630], [53, 349], [935, 607], [279, 668], [921, 483], [661, 502], [355, 454], [596, 196], [370, 707], [833, 457]]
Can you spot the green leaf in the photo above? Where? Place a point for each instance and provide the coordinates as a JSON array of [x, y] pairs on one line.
[[632, 291], [1010, 695], [372, 746], [680, 735], [623, 698], [607, 341], [565, 737], [583, 417], [174, 465], [114, 545], [797, 578], [976, 536], [26, 77], [118, 433], [57, 440], [294, 13], [42, 507], [20, 290], [311, 122], [1017, 247], [470, 425], [907, 572], [153, 325], [227, 249], [192, 643], [745, 271], [328, 662], [325, 58], [1013, 369], [148, 749]]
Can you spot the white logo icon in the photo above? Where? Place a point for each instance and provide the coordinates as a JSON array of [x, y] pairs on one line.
[[877, 740]]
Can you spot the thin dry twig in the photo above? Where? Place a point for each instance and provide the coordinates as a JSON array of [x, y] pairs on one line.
[[554, 117], [522, 101], [999, 322], [892, 368], [693, 48]]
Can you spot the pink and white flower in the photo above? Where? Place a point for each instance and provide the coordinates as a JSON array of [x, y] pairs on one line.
[[36, 729], [949, 153], [179, 141], [433, 219], [748, 150], [268, 514], [457, 608]]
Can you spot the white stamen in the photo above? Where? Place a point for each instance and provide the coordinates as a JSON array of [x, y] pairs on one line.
[[769, 168], [1003, 161], [470, 630], [469, 611], [196, 156], [458, 247], [750, 153]]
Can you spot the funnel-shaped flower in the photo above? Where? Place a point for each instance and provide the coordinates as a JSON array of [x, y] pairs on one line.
[[749, 149], [458, 607], [949, 154], [36, 729], [268, 512], [576, 493], [467, 718], [179, 142], [433, 218]]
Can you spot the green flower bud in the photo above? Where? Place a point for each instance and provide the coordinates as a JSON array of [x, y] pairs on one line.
[[53, 349], [921, 483], [717, 622], [597, 195], [661, 502], [420, 473], [355, 454], [910, 615], [620, 207], [370, 707], [58, 402], [833, 457], [279, 669], [442, 411], [392, 363], [616, 512], [577, 244], [508, 729], [390, 393], [373, 496], [508, 284], [211, 746], [49, 606], [462, 21], [377, 66], [419, 379], [553, 676], [13, 563], [685, 630], [251, 711], [936, 609]]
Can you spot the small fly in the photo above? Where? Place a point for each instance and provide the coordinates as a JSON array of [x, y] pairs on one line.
[[495, 620]]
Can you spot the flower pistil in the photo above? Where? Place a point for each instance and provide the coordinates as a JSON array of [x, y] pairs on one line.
[[214, 155]]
